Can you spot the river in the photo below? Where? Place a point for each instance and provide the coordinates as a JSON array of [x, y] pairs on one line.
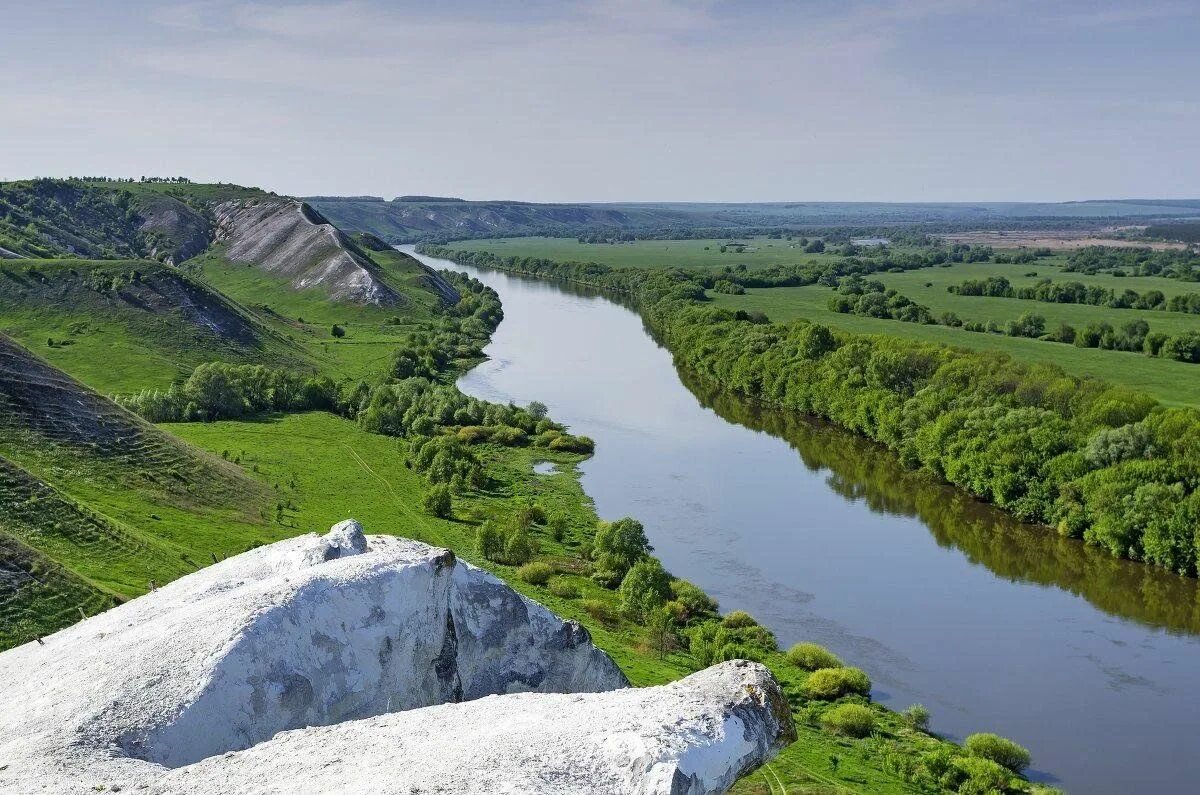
[[1092, 663]]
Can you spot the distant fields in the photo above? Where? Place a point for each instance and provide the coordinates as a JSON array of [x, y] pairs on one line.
[[1172, 382], [760, 252]]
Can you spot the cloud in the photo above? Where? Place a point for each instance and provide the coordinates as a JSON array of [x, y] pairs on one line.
[[609, 99]]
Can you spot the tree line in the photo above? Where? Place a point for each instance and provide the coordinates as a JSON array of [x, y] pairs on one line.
[[1051, 292], [1183, 264]]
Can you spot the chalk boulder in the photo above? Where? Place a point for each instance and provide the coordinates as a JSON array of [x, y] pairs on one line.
[[348, 663]]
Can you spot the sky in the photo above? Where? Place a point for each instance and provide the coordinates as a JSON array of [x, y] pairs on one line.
[[613, 100]]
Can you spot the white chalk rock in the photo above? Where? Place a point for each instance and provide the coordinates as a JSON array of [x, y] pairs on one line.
[[697, 735], [338, 647]]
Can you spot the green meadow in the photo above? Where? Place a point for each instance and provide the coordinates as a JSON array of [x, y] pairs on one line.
[[1170, 381], [757, 252]]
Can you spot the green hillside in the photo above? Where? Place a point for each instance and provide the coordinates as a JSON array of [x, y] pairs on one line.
[[91, 491], [156, 321]]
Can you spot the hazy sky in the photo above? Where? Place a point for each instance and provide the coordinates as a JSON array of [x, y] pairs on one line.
[[613, 99]]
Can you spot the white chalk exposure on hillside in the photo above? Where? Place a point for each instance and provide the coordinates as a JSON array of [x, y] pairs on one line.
[[278, 236], [316, 664]]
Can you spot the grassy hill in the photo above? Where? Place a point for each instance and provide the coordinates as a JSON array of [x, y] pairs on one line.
[[156, 321], [101, 501]]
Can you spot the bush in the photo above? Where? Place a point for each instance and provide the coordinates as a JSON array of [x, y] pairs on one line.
[[337, 331], [564, 588], [739, 619], [572, 444], [811, 656], [489, 540], [600, 611], [695, 602], [998, 749], [518, 547], [558, 525], [711, 643], [438, 501], [535, 573], [917, 717], [852, 720], [646, 587], [830, 683], [981, 776], [618, 545]]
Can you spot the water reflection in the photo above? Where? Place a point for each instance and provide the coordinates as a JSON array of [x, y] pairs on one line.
[[863, 471]]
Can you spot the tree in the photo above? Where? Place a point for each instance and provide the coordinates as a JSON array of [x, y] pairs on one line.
[[645, 589], [814, 341], [1184, 347], [618, 545], [660, 630], [438, 501]]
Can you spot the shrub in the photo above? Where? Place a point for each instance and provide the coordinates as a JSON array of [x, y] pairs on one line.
[[811, 656], [474, 434], [646, 587], [489, 540], [600, 611], [558, 525], [535, 573], [739, 619], [564, 588], [998, 749], [981, 776], [852, 720], [710, 643], [618, 545], [438, 501], [509, 436], [337, 331], [917, 717], [695, 602], [518, 547], [573, 444], [830, 683]]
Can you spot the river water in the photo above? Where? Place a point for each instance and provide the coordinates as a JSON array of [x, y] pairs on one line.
[[1092, 663]]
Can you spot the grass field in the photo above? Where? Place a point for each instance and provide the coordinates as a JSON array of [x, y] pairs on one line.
[[1172, 382], [306, 317], [759, 252]]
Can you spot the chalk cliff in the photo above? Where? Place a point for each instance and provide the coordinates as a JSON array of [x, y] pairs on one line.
[[348, 663]]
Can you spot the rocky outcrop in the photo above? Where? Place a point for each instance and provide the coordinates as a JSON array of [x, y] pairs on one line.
[[290, 239], [697, 735], [318, 663], [169, 230]]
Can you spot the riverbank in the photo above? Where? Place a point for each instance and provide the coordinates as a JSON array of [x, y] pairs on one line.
[[1045, 446]]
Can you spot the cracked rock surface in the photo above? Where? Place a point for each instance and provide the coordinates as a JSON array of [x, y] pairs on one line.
[[354, 663]]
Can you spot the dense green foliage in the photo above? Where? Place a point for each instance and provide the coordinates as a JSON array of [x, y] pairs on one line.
[[229, 391], [1073, 292], [831, 683], [852, 720], [811, 656], [1173, 263], [998, 749]]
